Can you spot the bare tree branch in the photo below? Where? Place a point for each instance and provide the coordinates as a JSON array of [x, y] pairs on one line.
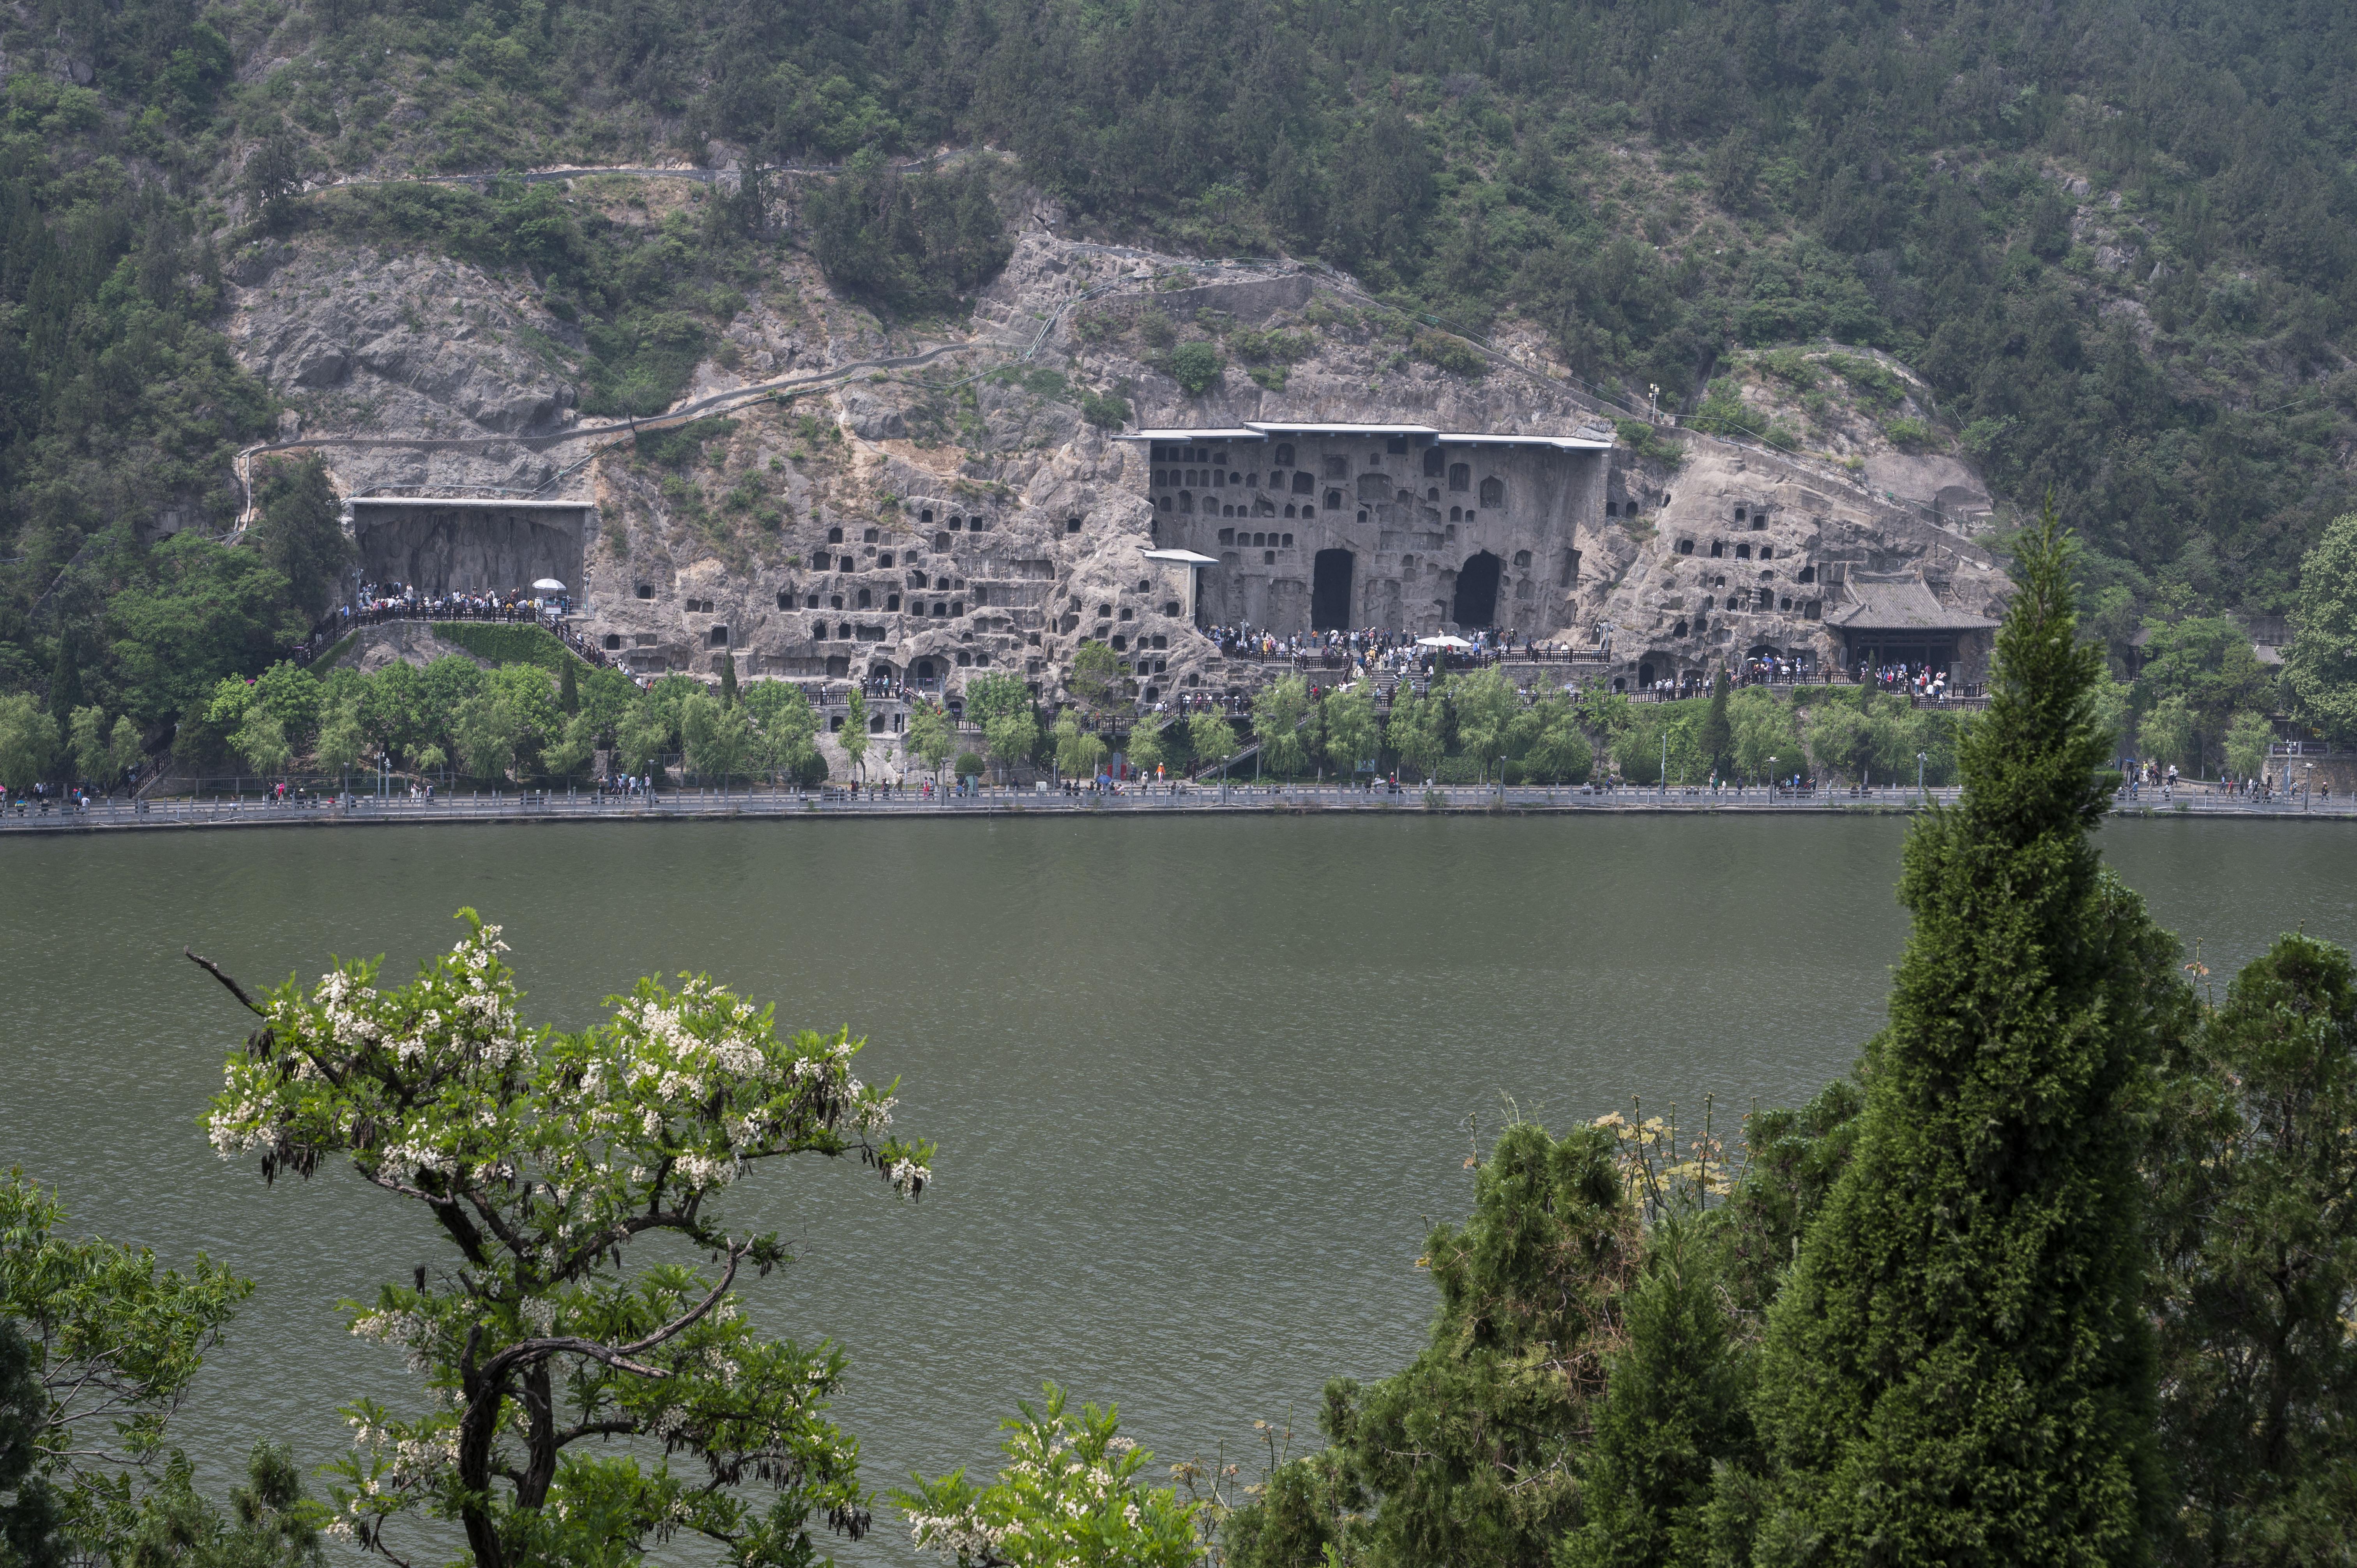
[[209, 967]]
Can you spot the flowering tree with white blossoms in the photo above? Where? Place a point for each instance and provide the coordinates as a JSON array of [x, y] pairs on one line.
[[584, 1410], [1068, 1497]]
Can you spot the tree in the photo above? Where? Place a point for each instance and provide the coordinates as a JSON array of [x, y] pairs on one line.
[[1674, 1406], [542, 1157], [2251, 1173], [2247, 739], [488, 730], [1472, 1448], [1717, 735], [126, 750], [112, 1346], [273, 1524], [1415, 730], [1196, 367], [28, 739], [341, 738], [787, 725], [193, 612], [1211, 736], [718, 738], [572, 750], [568, 691], [727, 681], [261, 740], [86, 739], [65, 682], [274, 177], [2322, 661], [1485, 702], [931, 736], [1068, 1497], [1277, 713], [2207, 664], [855, 733], [29, 1516], [1096, 681], [300, 532], [1958, 1361], [2166, 735], [1145, 749], [645, 735], [1352, 735]]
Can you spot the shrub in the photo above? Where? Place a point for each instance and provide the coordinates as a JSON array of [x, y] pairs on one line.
[[1107, 411], [969, 764], [1196, 367], [504, 644], [1452, 354], [1907, 432]]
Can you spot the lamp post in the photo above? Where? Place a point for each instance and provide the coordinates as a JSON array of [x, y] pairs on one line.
[[2307, 791], [1771, 780], [1921, 758], [1665, 762]]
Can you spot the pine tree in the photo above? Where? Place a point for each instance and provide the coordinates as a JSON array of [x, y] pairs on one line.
[[1957, 1370], [1473, 1448], [65, 681], [1673, 1408], [2253, 1145], [1717, 735]]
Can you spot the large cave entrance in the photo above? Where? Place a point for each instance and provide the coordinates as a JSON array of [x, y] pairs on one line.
[[1329, 590], [459, 545], [1477, 591]]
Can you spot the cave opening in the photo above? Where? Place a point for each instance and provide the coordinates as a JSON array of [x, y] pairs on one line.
[[1477, 591], [1329, 590]]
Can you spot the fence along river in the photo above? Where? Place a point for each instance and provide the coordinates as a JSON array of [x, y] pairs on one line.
[[1199, 1085]]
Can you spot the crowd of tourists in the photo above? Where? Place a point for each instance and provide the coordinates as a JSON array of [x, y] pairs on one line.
[[1921, 681], [1375, 647]]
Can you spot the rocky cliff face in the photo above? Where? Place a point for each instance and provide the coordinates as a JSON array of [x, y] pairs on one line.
[[963, 514]]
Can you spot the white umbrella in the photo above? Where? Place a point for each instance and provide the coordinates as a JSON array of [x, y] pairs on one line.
[[548, 585], [1449, 642]]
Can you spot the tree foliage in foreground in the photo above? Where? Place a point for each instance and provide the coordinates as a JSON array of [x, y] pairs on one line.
[[1958, 1367], [112, 1344], [2252, 1175], [1473, 1448], [1070, 1497], [542, 1156]]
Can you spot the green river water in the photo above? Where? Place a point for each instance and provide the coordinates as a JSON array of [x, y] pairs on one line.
[[1199, 1085]]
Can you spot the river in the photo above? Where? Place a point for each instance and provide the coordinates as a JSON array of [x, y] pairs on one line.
[[1198, 1085]]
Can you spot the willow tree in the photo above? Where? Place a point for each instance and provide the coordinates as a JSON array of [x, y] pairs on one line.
[[542, 1158], [1957, 1370]]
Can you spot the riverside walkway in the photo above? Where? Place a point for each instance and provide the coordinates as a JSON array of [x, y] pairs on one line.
[[1199, 800]]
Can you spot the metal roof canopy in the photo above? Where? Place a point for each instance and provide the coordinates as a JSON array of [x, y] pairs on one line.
[[470, 502], [1260, 430], [1343, 429], [1560, 443], [1181, 557]]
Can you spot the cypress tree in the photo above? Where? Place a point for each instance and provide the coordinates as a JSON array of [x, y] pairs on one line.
[[65, 681], [727, 683], [1473, 1448], [568, 694], [1674, 1407], [1717, 735], [1957, 1370]]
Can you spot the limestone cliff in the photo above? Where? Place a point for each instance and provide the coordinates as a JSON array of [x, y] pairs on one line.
[[927, 504]]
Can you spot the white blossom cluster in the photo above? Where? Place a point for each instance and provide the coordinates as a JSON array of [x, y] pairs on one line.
[[960, 1535]]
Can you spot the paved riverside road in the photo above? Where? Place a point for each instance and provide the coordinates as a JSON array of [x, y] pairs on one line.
[[690, 805]]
